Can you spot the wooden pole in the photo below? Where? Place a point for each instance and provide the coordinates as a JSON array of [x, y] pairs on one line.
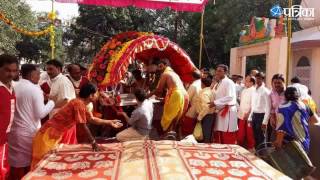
[[289, 34], [201, 39]]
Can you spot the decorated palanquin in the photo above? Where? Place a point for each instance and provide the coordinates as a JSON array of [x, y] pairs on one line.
[[111, 63], [262, 29], [153, 160]]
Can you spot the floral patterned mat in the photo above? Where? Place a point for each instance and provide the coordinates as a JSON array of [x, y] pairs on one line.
[[154, 160]]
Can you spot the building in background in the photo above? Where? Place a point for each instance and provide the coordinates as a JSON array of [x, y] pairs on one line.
[[305, 61]]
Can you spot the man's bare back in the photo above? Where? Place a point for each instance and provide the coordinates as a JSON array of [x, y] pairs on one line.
[[172, 80]]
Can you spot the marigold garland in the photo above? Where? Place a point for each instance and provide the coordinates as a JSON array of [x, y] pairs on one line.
[[23, 31]]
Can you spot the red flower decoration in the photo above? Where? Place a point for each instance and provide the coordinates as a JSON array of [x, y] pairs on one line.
[[100, 60], [118, 43], [94, 74], [102, 66], [99, 78], [111, 52]]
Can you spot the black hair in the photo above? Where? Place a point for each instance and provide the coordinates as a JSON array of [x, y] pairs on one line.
[[137, 74], [260, 75], [295, 80], [207, 81], [224, 67], [26, 69], [87, 89], [252, 79], [140, 94], [157, 61], [55, 63], [205, 69], [277, 76], [8, 59], [196, 74], [291, 94]]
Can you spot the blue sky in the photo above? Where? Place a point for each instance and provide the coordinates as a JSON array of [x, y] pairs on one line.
[[66, 11]]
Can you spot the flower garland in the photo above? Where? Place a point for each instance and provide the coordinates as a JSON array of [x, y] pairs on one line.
[[26, 32], [109, 55]]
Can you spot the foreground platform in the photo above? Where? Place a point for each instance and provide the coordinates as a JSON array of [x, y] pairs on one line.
[[154, 160]]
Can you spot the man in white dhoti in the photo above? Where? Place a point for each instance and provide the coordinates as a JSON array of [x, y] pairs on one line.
[[30, 108], [226, 124]]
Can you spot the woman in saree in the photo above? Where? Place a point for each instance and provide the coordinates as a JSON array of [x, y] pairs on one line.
[[74, 112], [293, 120]]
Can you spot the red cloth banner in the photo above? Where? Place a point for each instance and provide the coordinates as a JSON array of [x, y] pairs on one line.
[[178, 5]]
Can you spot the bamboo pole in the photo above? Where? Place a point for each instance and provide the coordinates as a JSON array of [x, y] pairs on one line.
[[201, 39], [289, 34], [52, 44]]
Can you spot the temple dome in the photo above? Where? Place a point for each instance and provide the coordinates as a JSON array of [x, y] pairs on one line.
[[311, 23]]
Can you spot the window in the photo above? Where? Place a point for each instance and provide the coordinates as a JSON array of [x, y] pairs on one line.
[[303, 62]]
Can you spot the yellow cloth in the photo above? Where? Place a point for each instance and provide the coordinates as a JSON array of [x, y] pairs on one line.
[[42, 143], [173, 107], [310, 102]]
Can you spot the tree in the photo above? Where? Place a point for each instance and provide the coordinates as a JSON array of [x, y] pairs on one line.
[[28, 48], [223, 22], [95, 25], [21, 14]]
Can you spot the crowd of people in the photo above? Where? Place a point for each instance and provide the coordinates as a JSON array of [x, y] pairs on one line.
[[39, 111]]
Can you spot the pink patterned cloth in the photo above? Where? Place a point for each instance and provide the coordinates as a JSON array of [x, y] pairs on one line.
[[178, 5], [276, 100]]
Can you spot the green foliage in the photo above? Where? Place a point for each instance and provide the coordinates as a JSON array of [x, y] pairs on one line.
[[96, 25], [80, 41], [222, 24], [21, 15]]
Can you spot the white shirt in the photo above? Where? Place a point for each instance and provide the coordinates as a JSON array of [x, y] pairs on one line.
[[30, 108], [74, 82], [302, 89], [245, 101], [239, 88], [141, 118], [61, 89], [194, 90], [261, 103], [225, 94]]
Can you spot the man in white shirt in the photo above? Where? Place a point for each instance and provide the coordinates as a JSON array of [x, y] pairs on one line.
[[260, 110], [245, 134], [30, 108], [226, 124], [61, 91], [140, 120], [76, 77], [302, 89], [189, 121]]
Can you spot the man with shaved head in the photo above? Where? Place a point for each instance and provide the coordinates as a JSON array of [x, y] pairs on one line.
[[76, 77], [78, 80]]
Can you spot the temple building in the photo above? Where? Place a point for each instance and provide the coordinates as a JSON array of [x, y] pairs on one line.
[[305, 61]]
